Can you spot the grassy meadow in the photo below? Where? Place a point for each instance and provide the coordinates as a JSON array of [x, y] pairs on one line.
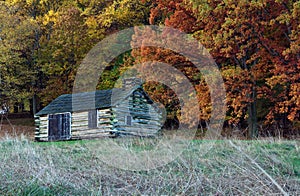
[[228, 168]]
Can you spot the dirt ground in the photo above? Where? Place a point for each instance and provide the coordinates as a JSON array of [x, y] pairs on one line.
[[17, 127]]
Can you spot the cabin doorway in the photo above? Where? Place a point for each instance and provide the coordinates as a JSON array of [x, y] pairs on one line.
[[92, 121], [59, 126]]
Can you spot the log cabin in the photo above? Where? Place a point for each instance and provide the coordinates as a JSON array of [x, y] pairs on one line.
[[114, 112]]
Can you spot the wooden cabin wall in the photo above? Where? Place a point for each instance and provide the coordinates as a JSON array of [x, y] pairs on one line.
[[79, 123], [146, 121], [41, 132], [80, 127]]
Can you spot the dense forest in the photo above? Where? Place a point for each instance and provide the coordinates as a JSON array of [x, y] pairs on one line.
[[256, 45]]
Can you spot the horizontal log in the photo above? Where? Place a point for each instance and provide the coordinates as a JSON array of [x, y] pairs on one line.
[[42, 139], [42, 136], [88, 137], [104, 122], [105, 117], [79, 114], [140, 121], [139, 118], [43, 131], [101, 123], [139, 130], [78, 129], [100, 112], [79, 123], [93, 134], [124, 111], [79, 117], [130, 108], [105, 126], [140, 125], [43, 126], [135, 133], [105, 129], [135, 115], [147, 122], [87, 132], [44, 118], [104, 112], [136, 128]]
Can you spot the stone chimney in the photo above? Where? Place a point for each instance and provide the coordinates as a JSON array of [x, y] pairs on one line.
[[131, 82]]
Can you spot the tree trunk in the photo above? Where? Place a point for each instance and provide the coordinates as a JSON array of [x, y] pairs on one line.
[[22, 106], [252, 116], [16, 107], [34, 105]]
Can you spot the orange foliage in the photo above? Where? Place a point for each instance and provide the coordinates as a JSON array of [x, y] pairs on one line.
[[256, 44]]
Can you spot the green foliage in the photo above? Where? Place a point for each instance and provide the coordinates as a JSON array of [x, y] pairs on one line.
[[17, 64], [63, 51], [43, 43]]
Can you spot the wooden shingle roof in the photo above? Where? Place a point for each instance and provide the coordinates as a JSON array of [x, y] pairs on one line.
[[87, 101]]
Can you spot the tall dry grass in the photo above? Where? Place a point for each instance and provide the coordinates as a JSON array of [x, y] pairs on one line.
[[70, 168]]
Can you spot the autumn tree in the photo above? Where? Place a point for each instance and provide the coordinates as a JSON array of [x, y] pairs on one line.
[[63, 51], [17, 61], [115, 16], [162, 13], [286, 58], [254, 36], [254, 43], [251, 42], [32, 11]]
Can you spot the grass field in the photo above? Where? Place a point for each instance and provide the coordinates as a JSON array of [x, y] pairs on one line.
[[73, 168]]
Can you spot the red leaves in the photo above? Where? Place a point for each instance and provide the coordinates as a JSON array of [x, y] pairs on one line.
[[261, 40]]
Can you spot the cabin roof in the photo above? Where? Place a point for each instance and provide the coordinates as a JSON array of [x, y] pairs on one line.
[[84, 101]]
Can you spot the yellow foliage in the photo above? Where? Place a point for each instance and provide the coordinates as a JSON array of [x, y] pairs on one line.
[[51, 16], [123, 12]]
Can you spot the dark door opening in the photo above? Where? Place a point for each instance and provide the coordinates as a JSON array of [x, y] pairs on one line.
[[59, 127], [93, 122], [128, 120]]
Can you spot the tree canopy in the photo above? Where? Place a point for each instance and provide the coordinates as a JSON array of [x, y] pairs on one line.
[[256, 45]]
